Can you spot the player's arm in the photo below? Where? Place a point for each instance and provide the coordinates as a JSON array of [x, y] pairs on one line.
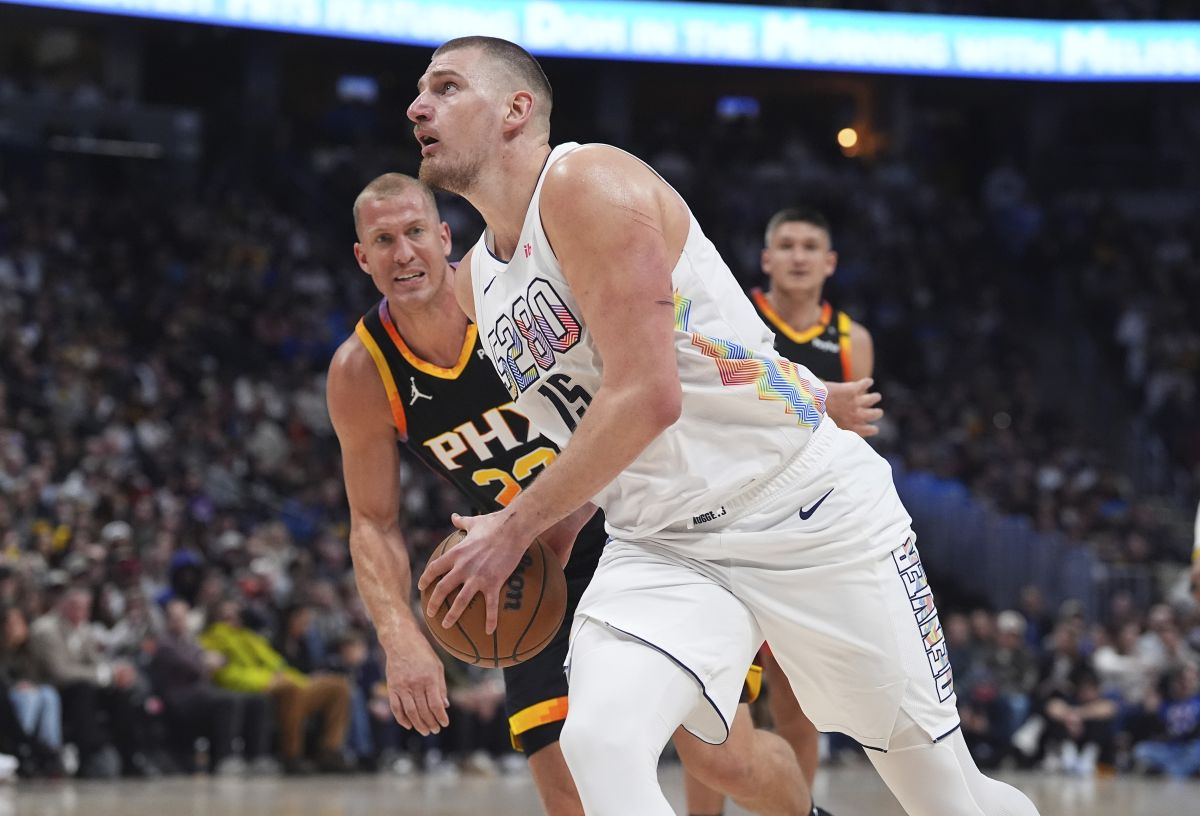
[[370, 462], [463, 289], [862, 352], [617, 238]]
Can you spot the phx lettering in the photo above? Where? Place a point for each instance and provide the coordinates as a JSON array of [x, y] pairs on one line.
[[514, 593]]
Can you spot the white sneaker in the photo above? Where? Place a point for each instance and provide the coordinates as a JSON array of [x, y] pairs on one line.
[[230, 766], [8, 767], [404, 766], [1086, 765], [264, 766], [479, 764]]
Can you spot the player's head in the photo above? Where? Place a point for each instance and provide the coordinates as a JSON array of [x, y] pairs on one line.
[[478, 96], [402, 241], [798, 250]]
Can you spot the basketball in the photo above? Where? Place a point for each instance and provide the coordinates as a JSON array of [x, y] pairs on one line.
[[532, 605]]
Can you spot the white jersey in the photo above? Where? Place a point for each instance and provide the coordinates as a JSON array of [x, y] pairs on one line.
[[746, 411]]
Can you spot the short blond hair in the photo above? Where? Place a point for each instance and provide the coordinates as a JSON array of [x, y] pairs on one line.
[[393, 185]]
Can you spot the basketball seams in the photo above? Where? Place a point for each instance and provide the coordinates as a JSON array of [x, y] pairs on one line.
[[463, 639], [516, 649]]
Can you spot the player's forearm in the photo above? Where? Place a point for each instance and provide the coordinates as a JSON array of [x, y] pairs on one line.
[[619, 424], [384, 578]]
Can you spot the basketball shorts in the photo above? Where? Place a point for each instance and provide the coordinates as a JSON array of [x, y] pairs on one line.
[[819, 559], [536, 690]]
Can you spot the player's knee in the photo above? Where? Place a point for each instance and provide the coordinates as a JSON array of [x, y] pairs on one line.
[[722, 769]]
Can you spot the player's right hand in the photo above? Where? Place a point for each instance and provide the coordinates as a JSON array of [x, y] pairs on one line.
[[852, 406], [416, 684]]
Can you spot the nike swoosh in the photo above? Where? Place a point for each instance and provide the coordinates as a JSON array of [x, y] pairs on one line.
[[805, 515]]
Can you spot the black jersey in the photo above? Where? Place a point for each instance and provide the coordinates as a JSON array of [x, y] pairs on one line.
[[824, 348], [462, 423]]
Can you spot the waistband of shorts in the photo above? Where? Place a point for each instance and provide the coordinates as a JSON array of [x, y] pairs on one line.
[[787, 475]]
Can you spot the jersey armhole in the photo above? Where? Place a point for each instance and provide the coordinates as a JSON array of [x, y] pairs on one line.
[[389, 382], [843, 324]]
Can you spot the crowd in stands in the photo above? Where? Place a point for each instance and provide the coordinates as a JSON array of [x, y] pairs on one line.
[[175, 586], [1067, 696]]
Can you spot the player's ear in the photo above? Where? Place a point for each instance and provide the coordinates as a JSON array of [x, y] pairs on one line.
[[360, 255], [520, 109], [833, 259], [447, 244], [764, 261]]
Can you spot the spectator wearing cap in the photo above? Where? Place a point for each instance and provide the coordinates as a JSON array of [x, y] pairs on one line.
[[1013, 670], [252, 666]]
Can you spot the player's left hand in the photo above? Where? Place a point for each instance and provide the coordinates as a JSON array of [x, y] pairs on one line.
[[853, 406], [480, 564]]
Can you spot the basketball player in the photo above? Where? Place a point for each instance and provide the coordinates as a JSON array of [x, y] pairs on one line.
[[797, 258], [415, 371], [738, 511]]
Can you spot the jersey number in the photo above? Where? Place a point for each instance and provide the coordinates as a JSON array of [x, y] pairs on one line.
[[510, 483], [571, 401]]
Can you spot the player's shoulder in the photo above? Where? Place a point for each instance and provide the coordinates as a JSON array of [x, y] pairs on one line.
[[351, 360], [354, 392], [857, 330], [593, 170]]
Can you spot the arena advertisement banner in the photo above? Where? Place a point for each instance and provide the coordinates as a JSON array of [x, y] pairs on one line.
[[813, 39]]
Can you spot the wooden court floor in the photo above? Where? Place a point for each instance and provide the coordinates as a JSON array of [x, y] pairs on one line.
[[846, 791]]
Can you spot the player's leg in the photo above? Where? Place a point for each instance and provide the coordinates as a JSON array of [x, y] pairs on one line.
[[554, 783], [701, 799], [755, 768], [536, 704], [894, 689], [626, 699], [941, 779], [790, 721]]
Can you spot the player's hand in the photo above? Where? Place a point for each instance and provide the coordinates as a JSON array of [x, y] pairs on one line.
[[416, 683], [853, 406], [480, 564]]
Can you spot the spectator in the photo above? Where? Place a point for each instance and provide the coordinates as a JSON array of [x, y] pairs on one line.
[[1079, 731], [252, 666], [69, 655], [35, 704], [181, 671], [1177, 749]]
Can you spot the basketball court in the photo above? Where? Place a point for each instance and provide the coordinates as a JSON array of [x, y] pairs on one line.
[[847, 791]]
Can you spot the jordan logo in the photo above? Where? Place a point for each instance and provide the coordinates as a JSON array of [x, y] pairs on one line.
[[805, 515], [416, 392]]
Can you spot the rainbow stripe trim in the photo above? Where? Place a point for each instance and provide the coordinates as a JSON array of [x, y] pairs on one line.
[[775, 379]]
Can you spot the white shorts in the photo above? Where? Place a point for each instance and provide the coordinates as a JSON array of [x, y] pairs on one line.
[[820, 561]]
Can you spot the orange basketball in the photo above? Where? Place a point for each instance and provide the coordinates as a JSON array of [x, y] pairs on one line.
[[532, 605]]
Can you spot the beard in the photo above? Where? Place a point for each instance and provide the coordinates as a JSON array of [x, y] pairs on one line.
[[458, 179]]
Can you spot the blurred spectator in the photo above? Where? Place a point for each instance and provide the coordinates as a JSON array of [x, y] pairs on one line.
[[181, 672], [35, 704], [1176, 751], [373, 731], [1079, 731], [252, 666], [69, 655]]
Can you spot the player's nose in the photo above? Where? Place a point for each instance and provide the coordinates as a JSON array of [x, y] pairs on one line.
[[418, 109]]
